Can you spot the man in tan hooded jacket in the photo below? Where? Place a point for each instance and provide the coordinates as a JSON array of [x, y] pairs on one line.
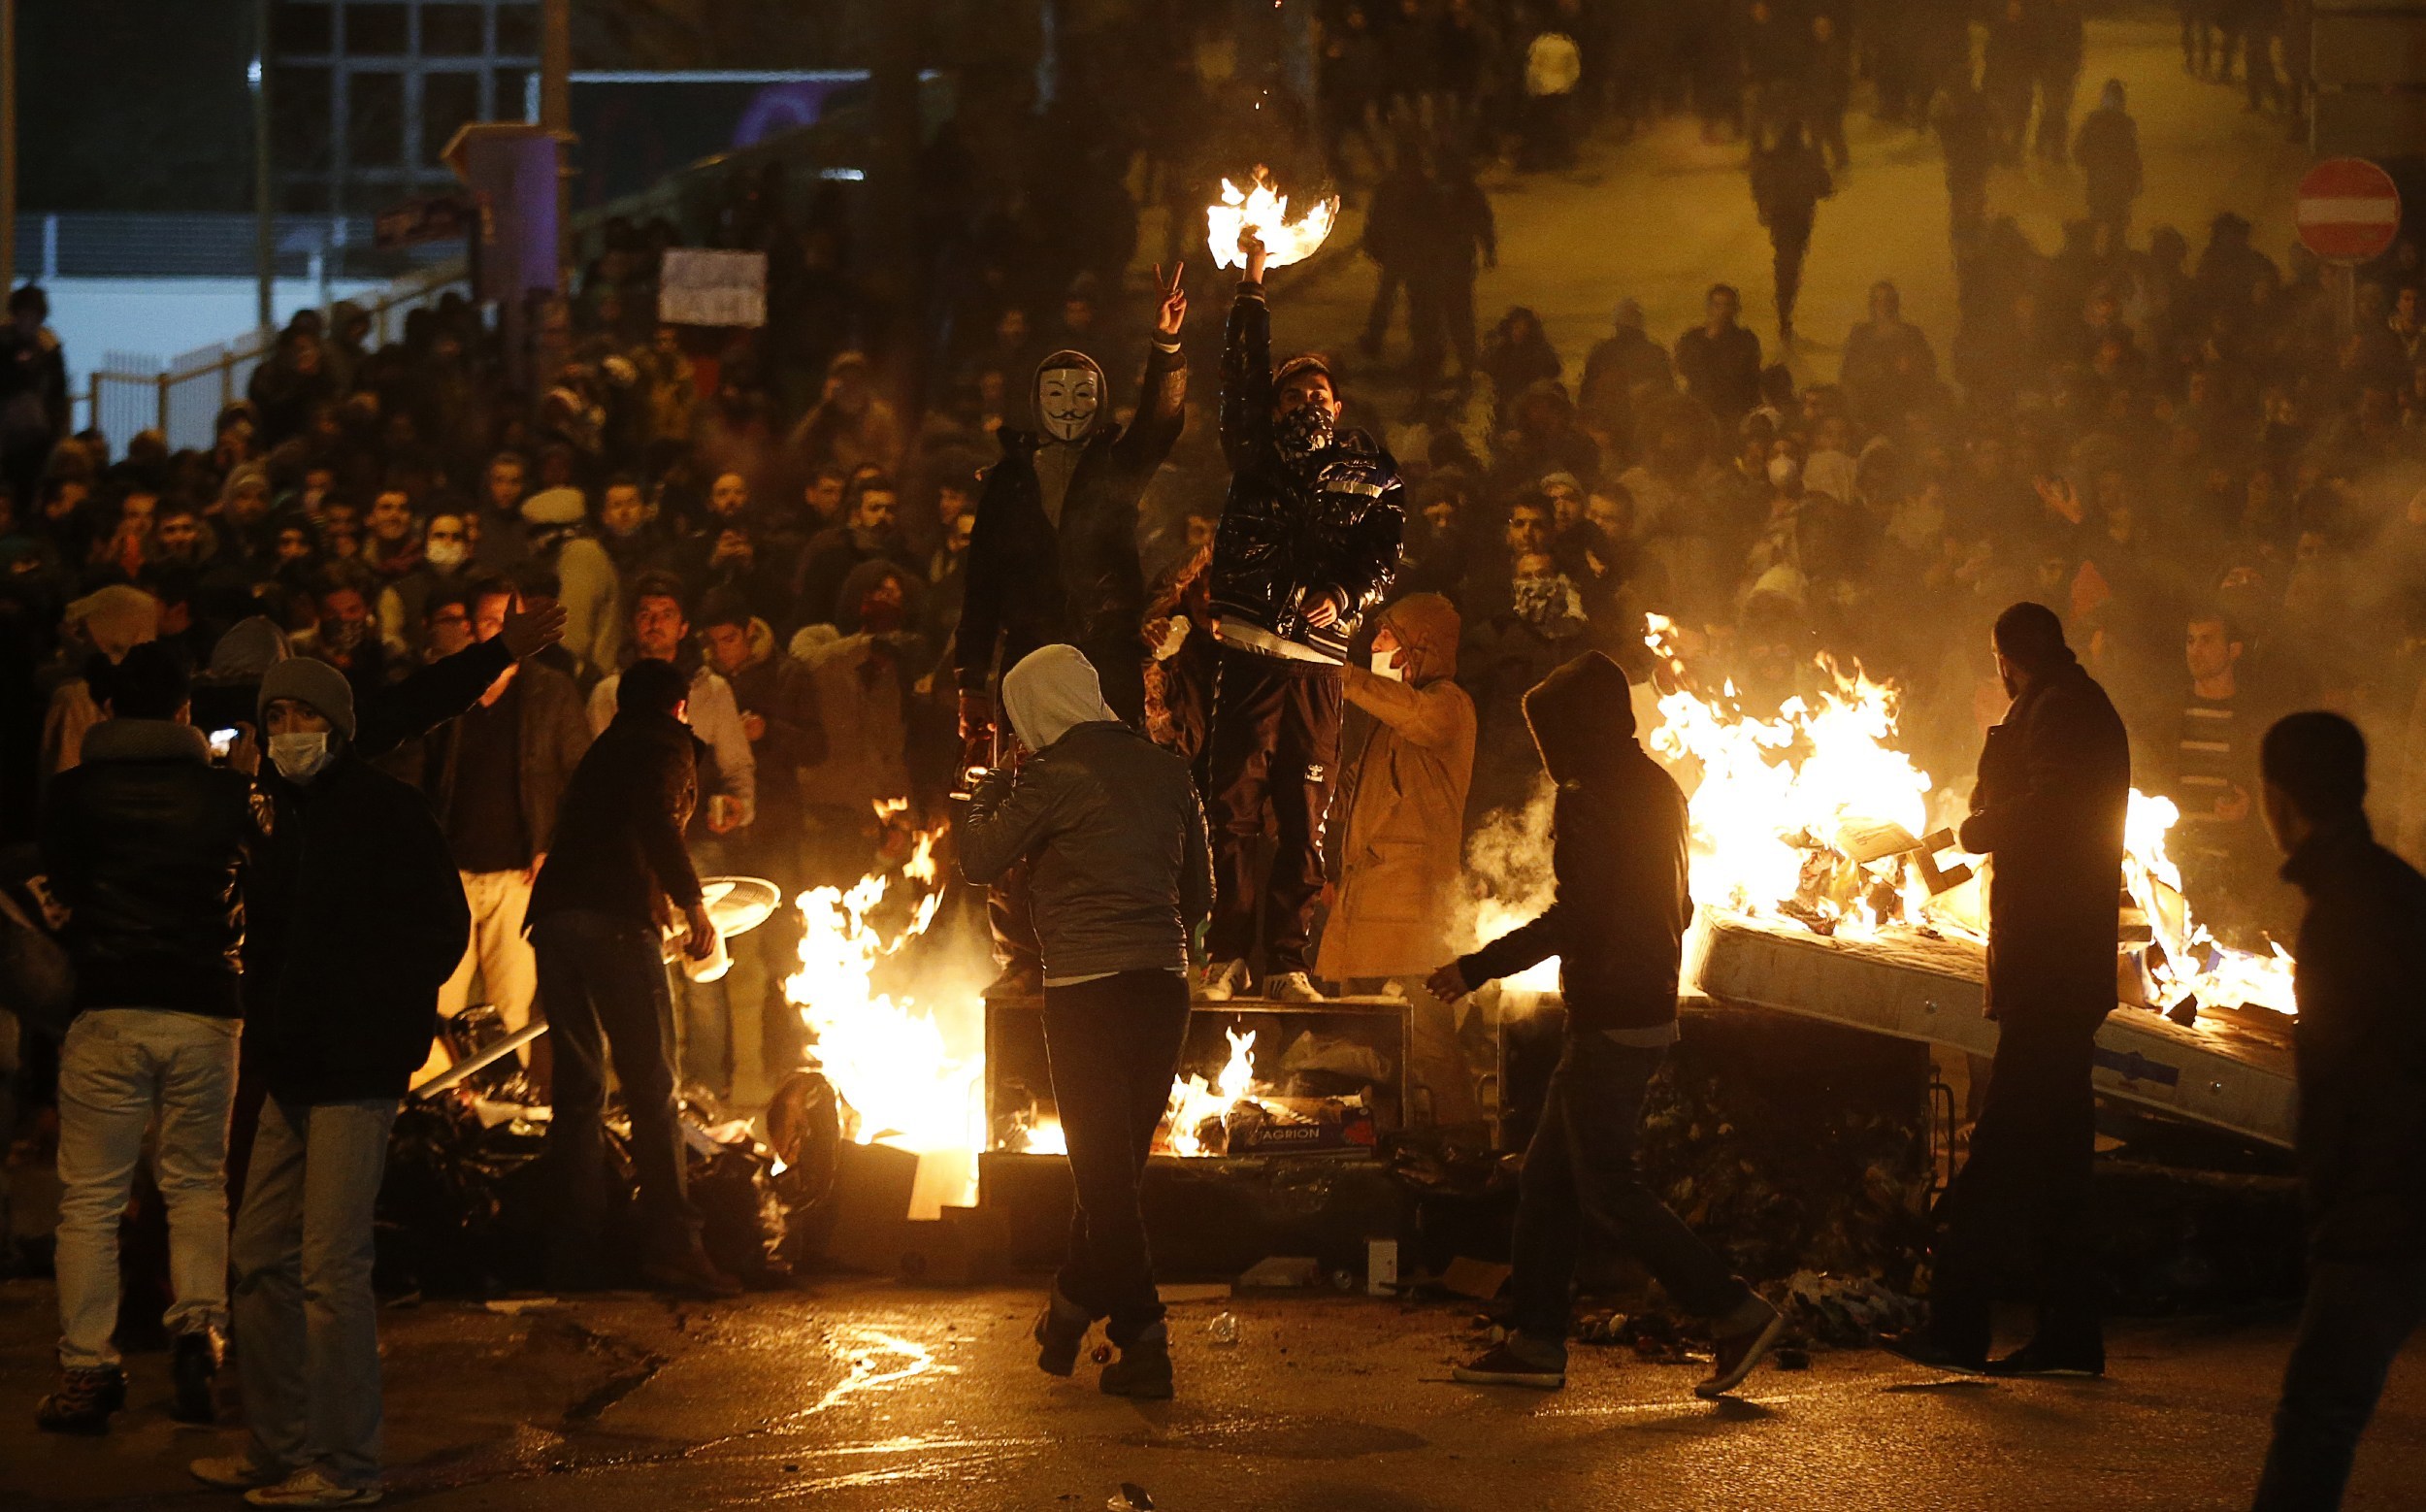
[[1400, 858]]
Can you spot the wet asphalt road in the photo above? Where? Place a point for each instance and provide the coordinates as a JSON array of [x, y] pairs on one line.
[[865, 1397]]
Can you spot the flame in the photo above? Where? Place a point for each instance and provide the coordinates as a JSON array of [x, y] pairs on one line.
[[913, 1077], [1193, 1101], [1266, 213], [1767, 794], [1779, 809], [2190, 963]]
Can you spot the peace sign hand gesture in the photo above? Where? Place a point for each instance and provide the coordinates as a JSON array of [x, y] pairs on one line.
[[1172, 302]]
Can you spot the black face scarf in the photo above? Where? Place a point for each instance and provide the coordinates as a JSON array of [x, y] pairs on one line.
[[1304, 433]]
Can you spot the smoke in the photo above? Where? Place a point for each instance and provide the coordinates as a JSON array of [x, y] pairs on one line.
[[1508, 879]]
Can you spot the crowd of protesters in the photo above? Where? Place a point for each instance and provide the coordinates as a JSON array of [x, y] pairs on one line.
[[2217, 480]]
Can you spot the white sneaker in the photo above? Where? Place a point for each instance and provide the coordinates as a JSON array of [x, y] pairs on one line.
[[1291, 987], [310, 1488], [1223, 982], [235, 1472]]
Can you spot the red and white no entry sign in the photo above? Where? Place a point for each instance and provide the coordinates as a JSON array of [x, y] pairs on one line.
[[2349, 210]]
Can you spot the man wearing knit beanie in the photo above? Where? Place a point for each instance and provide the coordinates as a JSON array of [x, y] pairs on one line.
[[355, 918]]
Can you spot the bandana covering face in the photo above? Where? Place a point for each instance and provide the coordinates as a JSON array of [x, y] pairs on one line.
[[446, 554], [1303, 431]]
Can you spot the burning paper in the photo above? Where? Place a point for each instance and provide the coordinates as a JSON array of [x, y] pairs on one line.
[[1804, 815], [1265, 212], [911, 1075]]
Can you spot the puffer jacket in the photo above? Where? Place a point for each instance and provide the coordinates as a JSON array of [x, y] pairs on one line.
[[1406, 803], [143, 844], [1330, 524], [2055, 786], [1618, 856], [1030, 583], [1121, 871]]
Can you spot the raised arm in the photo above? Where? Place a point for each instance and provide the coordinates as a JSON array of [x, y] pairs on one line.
[[1247, 378]]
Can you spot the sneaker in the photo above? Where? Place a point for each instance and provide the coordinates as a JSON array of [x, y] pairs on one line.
[[1501, 1365], [1291, 987], [2040, 1357], [1223, 982], [1921, 1348], [692, 1275], [236, 1472], [1735, 1353], [1144, 1368], [195, 1369], [1061, 1333], [84, 1401], [312, 1489]]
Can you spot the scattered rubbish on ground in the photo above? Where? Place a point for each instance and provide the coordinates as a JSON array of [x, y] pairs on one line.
[[1282, 1272], [1480, 1279], [1224, 1329]]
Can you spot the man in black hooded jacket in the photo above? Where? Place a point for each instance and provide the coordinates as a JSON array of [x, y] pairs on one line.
[[1054, 559], [1618, 856], [2055, 786], [1308, 542]]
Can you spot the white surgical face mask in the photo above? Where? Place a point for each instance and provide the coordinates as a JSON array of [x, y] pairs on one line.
[[1383, 668], [444, 553], [301, 754]]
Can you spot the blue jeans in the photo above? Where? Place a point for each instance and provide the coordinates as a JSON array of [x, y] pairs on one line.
[[1580, 1177], [2355, 1322], [307, 1324], [117, 1068]]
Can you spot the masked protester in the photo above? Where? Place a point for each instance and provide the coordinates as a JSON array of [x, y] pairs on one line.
[[2054, 788], [1405, 808], [1309, 541], [1111, 825], [354, 918], [1053, 558]]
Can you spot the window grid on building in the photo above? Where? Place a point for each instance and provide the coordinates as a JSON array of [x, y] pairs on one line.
[[366, 93]]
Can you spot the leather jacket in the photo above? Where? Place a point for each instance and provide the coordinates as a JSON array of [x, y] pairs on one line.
[[1330, 523], [1121, 871], [143, 844]]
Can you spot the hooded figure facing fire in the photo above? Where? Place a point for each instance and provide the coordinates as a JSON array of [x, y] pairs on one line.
[[1053, 558], [1308, 542], [1624, 877], [1112, 826], [2053, 790]]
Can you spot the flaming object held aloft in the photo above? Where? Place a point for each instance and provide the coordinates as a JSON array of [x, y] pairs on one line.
[[1265, 212]]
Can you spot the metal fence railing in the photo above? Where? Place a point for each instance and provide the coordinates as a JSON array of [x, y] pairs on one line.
[[181, 398]]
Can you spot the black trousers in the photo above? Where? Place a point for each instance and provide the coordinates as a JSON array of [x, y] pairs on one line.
[[2014, 1213], [1114, 1045], [604, 981], [2357, 1317], [1580, 1179], [1275, 754]]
